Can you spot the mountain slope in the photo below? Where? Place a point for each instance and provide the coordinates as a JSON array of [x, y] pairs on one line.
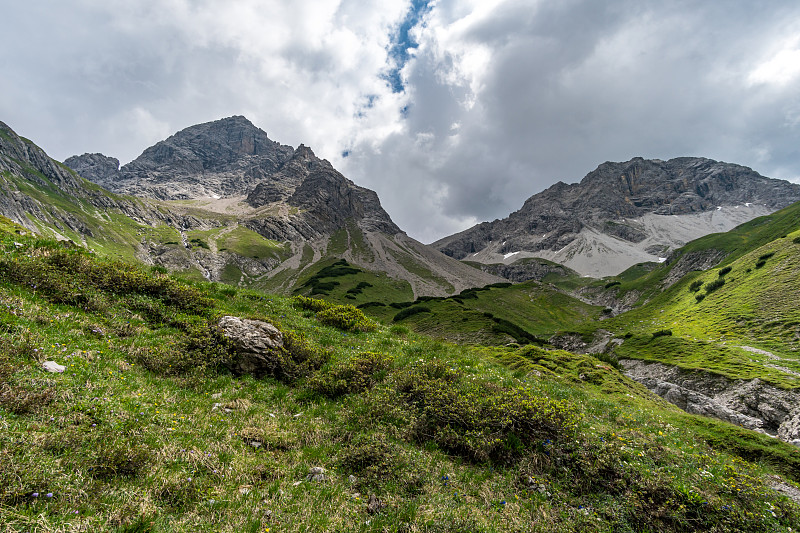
[[291, 211], [625, 213], [149, 428]]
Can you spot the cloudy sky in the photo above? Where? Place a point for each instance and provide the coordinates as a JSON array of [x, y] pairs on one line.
[[454, 111]]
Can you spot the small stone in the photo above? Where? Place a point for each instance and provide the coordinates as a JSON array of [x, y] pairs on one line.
[[296, 483], [374, 505], [52, 366], [316, 473], [245, 489], [255, 444], [216, 395], [352, 478]]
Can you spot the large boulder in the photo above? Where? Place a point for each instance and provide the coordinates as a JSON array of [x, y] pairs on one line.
[[255, 342]]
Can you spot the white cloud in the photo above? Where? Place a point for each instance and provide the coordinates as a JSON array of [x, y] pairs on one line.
[[502, 97]]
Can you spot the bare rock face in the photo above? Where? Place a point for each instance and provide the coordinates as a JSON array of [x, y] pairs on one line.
[[751, 404], [233, 158], [254, 342], [98, 168], [222, 158], [622, 205]]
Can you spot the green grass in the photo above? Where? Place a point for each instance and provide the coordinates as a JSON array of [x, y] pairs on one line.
[[497, 314], [148, 430], [754, 307]]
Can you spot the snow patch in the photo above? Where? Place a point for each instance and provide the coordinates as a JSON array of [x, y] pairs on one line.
[[719, 208], [506, 256], [662, 259]]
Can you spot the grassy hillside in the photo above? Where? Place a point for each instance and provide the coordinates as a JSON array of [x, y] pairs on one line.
[[148, 430], [647, 279], [740, 319]]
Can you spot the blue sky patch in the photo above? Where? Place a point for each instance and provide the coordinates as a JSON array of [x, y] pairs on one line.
[[402, 42]]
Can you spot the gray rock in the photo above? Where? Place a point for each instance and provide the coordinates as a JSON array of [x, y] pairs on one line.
[[98, 168], [374, 505], [316, 473], [752, 404], [255, 343], [52, 366]]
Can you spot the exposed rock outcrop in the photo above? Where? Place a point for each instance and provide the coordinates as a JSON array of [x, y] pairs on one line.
[[524, 270], [752, 404], [255, 343]]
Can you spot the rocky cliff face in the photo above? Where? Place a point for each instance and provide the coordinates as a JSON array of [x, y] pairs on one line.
[[98, 168], [223, 158], [625, 213]]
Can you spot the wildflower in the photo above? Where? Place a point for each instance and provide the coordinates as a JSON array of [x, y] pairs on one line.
[[49, 495], [35, 494]]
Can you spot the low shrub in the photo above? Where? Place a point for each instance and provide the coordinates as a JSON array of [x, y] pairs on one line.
[[479, 420], [351, 376], [796, 240], [765, 256], [714, 285], [760, 264], [500, 285], [201, 350], [612, 284], [401, 305], [724, 271], [376, 462], [367, 305], [311, 304], [695, 286], [507, 327], [410, 311], [662, 333], [699, 297], [346, 318]]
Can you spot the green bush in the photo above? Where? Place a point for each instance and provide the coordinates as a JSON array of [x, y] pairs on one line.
[[760, 264], [311, 304], [479, 420], [699, 297], [200, 350], [376, 462], [366, 305], [724, 271], [73, 277], [714, 285], [662, 333], [612, 284], [346, 318], [507, 327], [410, 311], [796, 240], [351, 376], [765, 256], [695, 286]]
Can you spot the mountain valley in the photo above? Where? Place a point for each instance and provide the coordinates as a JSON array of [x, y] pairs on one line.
[[248, 342]]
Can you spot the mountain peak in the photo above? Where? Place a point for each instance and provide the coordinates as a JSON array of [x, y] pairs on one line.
[[623, 213]]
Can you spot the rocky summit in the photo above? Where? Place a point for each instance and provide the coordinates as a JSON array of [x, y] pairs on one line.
[[625, 213], [223, 202]]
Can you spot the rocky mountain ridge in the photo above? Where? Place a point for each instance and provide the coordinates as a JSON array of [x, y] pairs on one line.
[[242, 209], [624, 213]]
